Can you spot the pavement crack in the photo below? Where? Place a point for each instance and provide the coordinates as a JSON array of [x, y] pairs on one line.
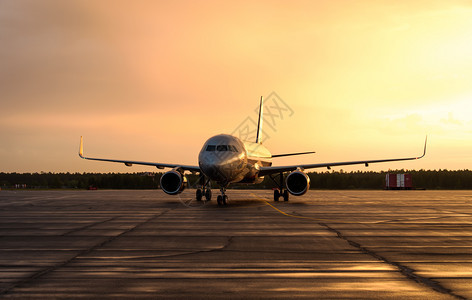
[[48, 270], [222, 248], [406, 271], [88, 226], [228, 243]]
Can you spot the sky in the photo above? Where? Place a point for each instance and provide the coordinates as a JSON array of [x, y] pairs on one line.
[[153, 80]]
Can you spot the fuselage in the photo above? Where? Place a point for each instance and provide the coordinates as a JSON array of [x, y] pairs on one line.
[[227, 159]]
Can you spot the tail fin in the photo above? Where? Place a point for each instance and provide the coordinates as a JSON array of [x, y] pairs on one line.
[[259, 123]]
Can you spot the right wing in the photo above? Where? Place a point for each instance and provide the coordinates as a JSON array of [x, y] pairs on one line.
[[129, 163], [280, 169]]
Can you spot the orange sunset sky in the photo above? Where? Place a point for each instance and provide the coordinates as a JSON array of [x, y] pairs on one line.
[[152, 80]]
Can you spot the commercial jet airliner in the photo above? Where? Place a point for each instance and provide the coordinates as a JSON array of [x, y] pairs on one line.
[[227, 159]]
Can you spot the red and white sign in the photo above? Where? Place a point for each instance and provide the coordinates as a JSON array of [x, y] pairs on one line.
[[398, 181]]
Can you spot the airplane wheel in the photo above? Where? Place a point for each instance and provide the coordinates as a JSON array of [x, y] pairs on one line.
[[276, 195], [225, 200], [219, 199], [285, 194], [208, 195], [199, 195]]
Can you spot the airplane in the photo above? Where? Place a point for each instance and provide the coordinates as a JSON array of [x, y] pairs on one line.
[[227, 159]]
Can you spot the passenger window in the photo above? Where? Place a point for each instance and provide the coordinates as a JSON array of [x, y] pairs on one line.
[[222, 148], [210, 148]]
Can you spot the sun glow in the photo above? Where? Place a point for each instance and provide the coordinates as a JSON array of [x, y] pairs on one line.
[[168, 76]]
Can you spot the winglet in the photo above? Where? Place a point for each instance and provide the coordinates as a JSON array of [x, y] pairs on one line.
[[259, 123], [424, 152], [81, 149], [425, 142]]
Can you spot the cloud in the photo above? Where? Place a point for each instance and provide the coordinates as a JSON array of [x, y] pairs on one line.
[[450, 120]]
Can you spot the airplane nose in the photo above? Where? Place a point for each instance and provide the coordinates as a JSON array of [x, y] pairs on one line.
[[215, 166]]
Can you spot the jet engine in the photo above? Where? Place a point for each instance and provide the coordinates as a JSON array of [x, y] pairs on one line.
[[173, 182], [297, 183]]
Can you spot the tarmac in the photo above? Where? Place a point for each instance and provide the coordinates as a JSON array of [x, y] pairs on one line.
[[325, 244]]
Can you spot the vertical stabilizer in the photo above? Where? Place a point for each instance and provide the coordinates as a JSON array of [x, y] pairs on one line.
[[259, 123]]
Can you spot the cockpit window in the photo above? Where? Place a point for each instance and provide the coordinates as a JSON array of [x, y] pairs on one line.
[[221, 148]]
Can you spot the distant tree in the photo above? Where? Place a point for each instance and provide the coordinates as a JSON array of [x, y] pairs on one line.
[[429, 179]]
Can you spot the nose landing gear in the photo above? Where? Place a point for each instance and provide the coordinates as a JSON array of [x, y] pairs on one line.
[[222, 199], [204, 190]]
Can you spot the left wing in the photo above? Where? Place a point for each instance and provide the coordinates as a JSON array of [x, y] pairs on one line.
[[271, 170], [129, 163]]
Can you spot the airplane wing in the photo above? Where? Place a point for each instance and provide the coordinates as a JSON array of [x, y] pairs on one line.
[[129, 163], [278, 169]]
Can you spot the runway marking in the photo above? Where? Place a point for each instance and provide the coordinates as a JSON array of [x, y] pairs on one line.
[[288, 215], [282, 212], [406, 271]]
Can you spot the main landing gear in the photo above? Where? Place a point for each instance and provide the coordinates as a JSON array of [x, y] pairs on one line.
[[280, 191], [222, 199], [204, 191]]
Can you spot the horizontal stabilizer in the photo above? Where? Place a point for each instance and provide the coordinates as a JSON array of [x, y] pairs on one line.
[[290, 154]]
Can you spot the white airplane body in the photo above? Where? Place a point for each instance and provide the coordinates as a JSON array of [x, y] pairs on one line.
[[227, 159]]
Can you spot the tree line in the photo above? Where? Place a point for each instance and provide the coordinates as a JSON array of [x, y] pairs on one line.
[[427, 179]]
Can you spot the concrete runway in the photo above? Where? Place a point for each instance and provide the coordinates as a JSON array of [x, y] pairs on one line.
[[325, 244]]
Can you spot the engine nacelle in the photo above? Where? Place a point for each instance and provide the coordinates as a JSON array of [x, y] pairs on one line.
[[173, 182], [297, 183]]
